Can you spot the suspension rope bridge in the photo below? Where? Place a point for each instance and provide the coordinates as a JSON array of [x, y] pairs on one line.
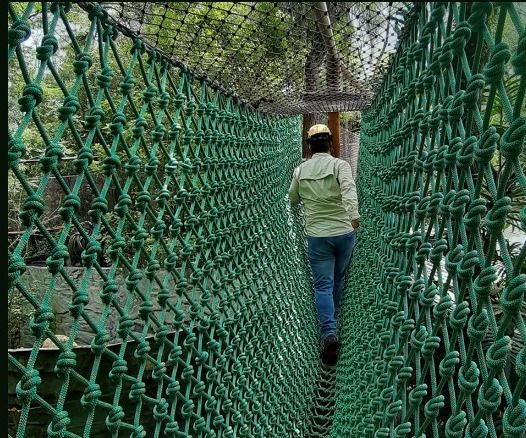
[[188, 309]]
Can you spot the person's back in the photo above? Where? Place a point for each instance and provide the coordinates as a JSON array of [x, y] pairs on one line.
[[320, 190], [326, 187]]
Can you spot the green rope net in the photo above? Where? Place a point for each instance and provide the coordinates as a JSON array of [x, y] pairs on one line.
[[174, 297], [200, 326], [434, 336]]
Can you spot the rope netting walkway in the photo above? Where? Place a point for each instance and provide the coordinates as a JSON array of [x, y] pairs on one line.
[[188, 309]]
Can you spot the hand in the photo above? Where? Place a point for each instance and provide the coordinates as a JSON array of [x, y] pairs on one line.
[[355, 223]]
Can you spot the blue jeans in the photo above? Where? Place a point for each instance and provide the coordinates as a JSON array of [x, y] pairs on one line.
[[329, 259]]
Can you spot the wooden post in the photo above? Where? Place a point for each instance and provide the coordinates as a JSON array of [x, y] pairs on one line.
[[334, 126]]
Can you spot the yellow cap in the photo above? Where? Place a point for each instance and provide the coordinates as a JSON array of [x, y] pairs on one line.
[[318, 129]]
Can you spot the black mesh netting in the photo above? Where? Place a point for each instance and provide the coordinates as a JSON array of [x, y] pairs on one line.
[[284, 57]]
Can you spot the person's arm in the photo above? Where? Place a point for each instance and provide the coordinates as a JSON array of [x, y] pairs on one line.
[[294, 195], [348, 191]]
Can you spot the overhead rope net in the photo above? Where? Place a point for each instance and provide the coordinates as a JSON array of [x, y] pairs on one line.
[[283, 57], [157, 276]]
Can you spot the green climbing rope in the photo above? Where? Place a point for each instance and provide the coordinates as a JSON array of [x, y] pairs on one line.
[[206, 277], [433, 338]]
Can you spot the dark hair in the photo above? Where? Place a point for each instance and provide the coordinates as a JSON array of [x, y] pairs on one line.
[[319, 143]]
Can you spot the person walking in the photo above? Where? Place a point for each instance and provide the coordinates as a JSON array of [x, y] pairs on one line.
[[325, 186]]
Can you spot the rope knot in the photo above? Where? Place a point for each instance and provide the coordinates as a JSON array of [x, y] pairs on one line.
[[452, 151], [145, 308], [32, 208], [109, 289], [480, 430], [473, 216], [19, 32], [484, 281], [418, 337], [459, 316], [455, 425], [438, 251], [427, 297], [430, 345], [443, 307], [514, 419], [26, 388], [82, 64], [468, 378], [31, 97], [66, 361], [513, 139], [118, 369], [70, 206], [125, 326], [98, 345], [496, 217], [445, 56], [55, 262], [16, 150], [16, 267], [96, 10], [114, 418], [456, 110], [478, 324], [475, 86], [137, 390], [453, 259], [142, 350], [53, 154], [117, 124], [149, 93], [433, 406], [58, 424], [469, 261], [158, 132], [70, 107], [80, 299], [160, 410], [513, 295], [104, 77], [132, 280], [460, 37], [110, 32], [459, 202], [40, 321], [486, 146], [99, 208], [494, 70], [489, 396], [96, 115], [48, 48], [497, 354], [91, 253], [91, 396], [417, 394], [479, 13]]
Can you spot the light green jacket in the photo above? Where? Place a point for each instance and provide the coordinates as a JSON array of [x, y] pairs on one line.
[[326, 187]]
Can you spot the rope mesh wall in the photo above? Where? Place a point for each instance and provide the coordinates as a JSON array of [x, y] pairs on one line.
[[434, 336], [215, 335]]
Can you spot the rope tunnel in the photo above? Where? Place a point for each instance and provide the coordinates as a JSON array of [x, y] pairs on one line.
[[158, 283]]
